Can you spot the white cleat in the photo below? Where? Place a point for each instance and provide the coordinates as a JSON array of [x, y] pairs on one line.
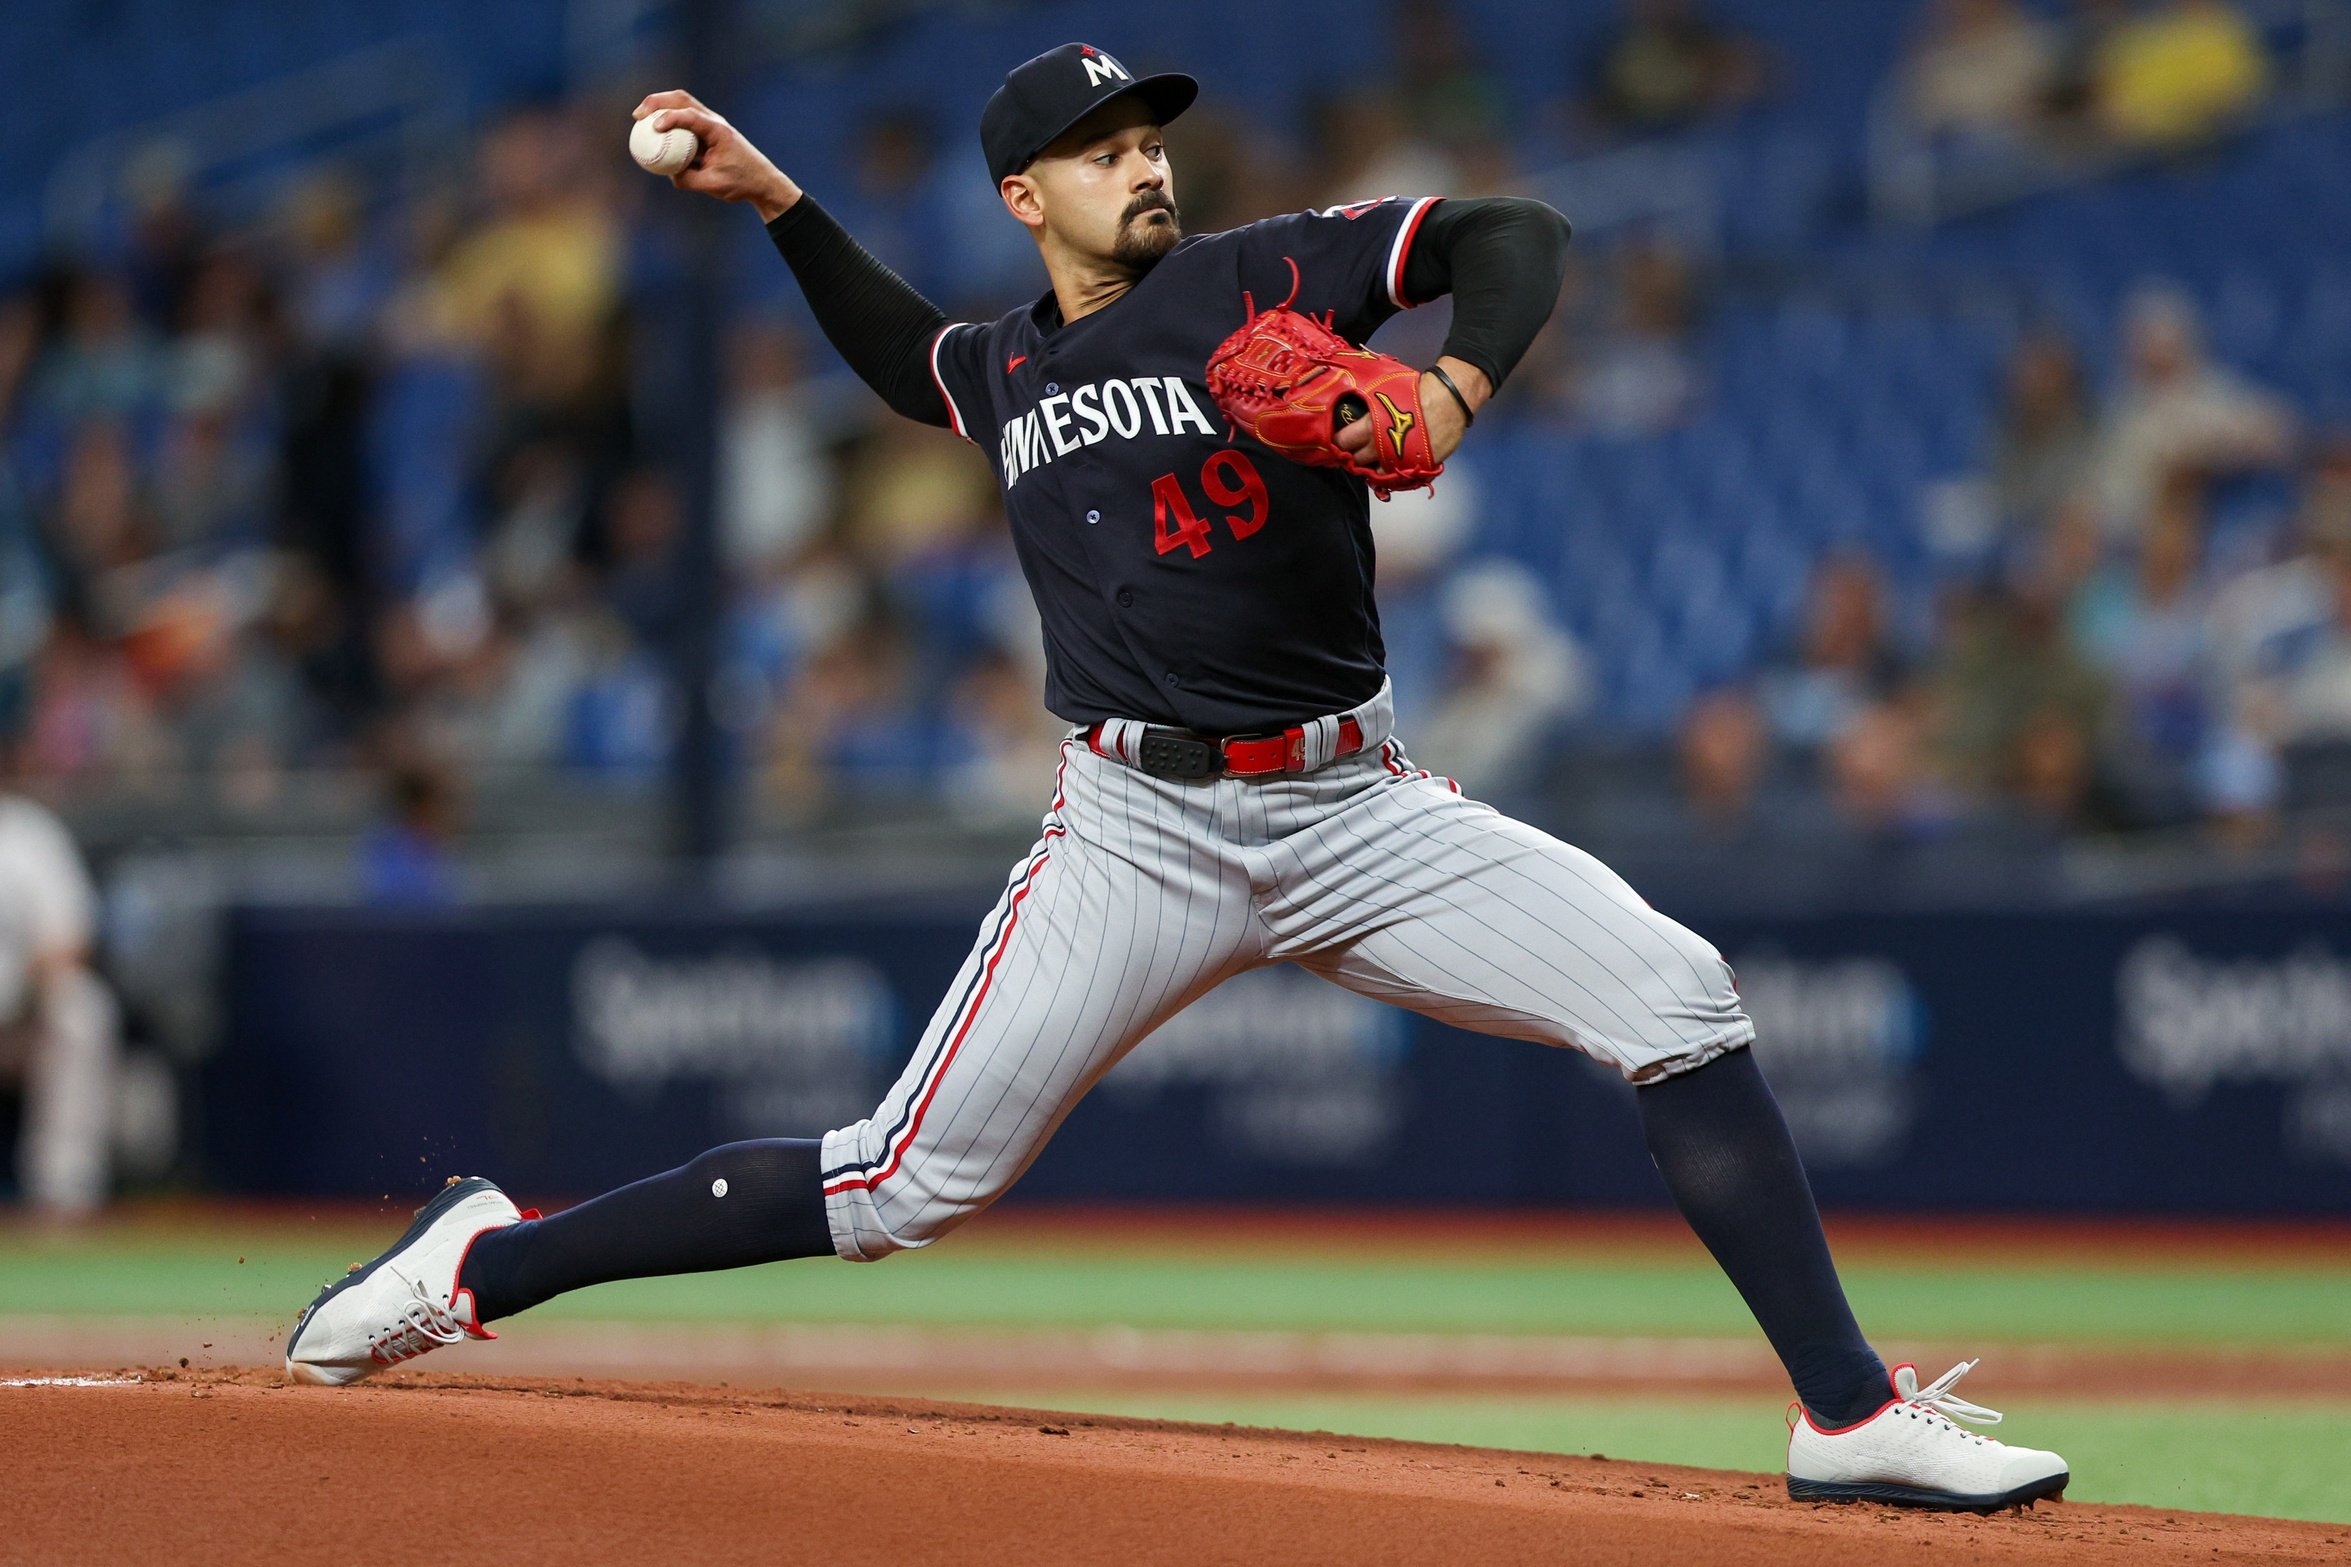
[[1910, 1453], [405, 1303]]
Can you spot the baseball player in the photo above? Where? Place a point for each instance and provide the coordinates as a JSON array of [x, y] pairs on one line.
[[1187, 435], [60, 1042]]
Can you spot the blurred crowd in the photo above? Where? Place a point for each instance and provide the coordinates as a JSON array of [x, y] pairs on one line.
[[2120, 660], [367, 488], [360, 485], [2005, 78], [215, 577]]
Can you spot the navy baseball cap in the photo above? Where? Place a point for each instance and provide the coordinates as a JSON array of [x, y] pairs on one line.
[[1046, 96]]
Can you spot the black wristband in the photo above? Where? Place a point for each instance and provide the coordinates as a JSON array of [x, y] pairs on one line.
[[1469, 415]]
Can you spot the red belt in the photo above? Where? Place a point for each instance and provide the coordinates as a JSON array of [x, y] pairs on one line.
[[1179, 753]]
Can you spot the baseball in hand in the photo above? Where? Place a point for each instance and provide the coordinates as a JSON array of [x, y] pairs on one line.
[[662, 152]]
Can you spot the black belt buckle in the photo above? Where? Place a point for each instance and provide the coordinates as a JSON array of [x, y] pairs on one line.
[[1171, 753]]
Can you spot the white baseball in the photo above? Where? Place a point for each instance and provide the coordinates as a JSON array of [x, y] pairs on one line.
[[662, 152]]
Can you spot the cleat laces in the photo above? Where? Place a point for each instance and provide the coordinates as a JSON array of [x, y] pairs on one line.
[[424, 1324], [1938, 1404]]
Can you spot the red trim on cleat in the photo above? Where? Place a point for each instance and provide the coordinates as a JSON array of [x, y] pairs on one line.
[[473, 1328], [1864, 1420]]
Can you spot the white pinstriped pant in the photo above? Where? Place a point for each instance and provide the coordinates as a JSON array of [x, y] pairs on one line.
[[1143, 894]]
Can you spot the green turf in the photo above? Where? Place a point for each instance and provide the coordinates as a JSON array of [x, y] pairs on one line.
[[1594, 1291], [2284, 1459], [2281, 1460]]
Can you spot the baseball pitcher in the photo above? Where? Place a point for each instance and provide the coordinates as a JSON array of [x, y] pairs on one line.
[[1188, 435]]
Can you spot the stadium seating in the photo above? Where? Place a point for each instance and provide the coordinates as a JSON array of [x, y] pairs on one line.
[[1848, 371]]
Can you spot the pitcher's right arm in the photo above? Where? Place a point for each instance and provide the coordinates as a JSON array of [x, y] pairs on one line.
[[878, 323]]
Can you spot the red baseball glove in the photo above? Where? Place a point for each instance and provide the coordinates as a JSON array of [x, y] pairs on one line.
[[1293, 383]]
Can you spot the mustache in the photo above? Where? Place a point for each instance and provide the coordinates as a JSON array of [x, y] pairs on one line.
[[1149, 201]]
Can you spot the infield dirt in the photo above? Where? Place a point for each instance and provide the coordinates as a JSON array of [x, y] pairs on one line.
[[239, 1466]]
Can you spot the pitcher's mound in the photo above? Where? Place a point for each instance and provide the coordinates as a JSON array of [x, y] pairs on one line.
[[242, 1467]]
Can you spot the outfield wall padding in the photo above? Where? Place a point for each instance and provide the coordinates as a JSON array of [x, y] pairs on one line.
[[2197, 1063]]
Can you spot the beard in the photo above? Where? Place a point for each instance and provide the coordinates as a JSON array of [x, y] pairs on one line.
[[1143, 238]]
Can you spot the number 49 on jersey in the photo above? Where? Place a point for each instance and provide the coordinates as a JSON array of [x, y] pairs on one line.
[[1228, 478]]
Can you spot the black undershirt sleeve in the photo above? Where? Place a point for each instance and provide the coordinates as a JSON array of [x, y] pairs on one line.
[[873, 317], [1502, 259]]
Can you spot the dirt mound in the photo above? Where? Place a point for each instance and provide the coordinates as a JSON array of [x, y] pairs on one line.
[[240, 1467]]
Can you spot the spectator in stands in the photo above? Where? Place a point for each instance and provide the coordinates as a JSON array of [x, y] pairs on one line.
[[536, 529], [97, 529], [2003, 679], [1666, 65], [2318, 684], [310, 630], [950, 591], [336, 281], [1443, 88], [1516, 674], [246, 718], [90, 722], [2041, 455], [211, 491], [1981, 71], [2082, 30], [405, 860], [2178, 416], [104, 363], [2179, 74], [1640, 375], [2143, 625], [642, 581], [775, 476], [24, 586], [2051, 771], [214, 358], [20, 346], [540, 271], [1845, 663], [508, 707], [848, 726], [1420, 535], [2276, 640], [1725, 748], [2266, 621], [620, 720], [1878, 777], [2282, 635], [903, 488], [1005, 739], [2064, 561]]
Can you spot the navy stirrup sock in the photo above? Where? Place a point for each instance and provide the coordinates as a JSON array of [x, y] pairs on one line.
[[1723, 1147], [734, 1206]]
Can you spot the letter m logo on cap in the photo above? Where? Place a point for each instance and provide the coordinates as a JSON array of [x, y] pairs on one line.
[[1101, 68]]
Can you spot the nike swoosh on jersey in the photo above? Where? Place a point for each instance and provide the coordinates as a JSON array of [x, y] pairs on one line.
[[1015, 362]]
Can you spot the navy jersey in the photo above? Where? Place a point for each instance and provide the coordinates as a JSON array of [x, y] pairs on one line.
[[1185, 574]]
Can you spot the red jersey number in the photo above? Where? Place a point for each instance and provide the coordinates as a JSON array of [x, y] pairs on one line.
[[1228, 478]]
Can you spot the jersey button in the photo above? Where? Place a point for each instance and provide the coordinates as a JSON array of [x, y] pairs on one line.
[[1093, 516], [1051, 387], [1172, 680], [1126, 598]]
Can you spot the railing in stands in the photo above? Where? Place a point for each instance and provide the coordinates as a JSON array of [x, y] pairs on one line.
[[389, 100]]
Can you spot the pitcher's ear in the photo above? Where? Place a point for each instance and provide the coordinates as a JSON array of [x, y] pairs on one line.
[[1022, 199]]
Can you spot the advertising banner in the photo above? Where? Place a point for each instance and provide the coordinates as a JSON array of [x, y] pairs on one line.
[[2057, 1063]]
